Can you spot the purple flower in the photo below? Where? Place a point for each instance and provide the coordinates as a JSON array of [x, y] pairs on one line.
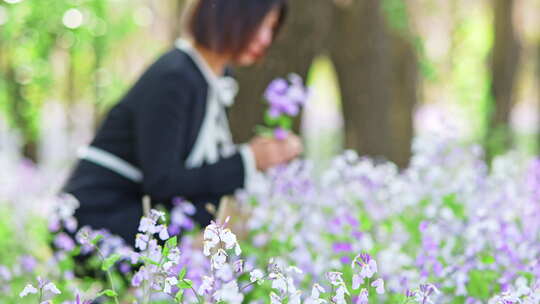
[[78, 300], [5, 274], [64, 242], [139, 277], [357, 234], [345, 260], [28, 263], [280, 133], [363, 297], [180, 216], [284, 98], [124, 268], [239, 266], [339, 247], [54, 225], [277, 87], [174, 229], [368, 266], [379, 285], [423, 226]]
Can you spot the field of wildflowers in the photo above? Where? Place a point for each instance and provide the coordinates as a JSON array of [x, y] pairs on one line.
[[447, 229]]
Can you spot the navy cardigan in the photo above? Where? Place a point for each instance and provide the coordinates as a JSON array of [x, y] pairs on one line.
[[153, 127]]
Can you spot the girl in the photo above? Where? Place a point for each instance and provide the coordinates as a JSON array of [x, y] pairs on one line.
[[169, 135]]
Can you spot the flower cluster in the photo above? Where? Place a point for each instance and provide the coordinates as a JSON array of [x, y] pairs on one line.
[[446, 229], [285, 99]]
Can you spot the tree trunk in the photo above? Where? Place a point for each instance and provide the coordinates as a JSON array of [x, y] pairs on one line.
[[377, 71], [538, 91], [405, 84], [303, 37], [504, 67]]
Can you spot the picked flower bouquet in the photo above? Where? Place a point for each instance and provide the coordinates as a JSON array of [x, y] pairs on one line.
[[285, 98]]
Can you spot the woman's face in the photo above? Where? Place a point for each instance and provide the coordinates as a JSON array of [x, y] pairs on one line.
[[261, 40]]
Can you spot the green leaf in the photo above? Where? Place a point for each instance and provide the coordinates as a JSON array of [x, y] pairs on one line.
[[487, 258], [110, 261], [285, 122], [98, 238], [108, 293], [451, 202], [165, 251], [185, 284], [269, 120], [172, 242], [263, 131], [182, 274], [482, 284], [148, 260], [179, 297]]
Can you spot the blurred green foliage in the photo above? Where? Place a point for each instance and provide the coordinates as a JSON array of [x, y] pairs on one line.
[[58, 50]]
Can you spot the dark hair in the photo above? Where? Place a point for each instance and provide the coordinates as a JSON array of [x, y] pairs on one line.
[[227, 26]]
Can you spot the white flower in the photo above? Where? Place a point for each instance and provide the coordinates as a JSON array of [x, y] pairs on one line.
[[163, 233], [279, 282], [211, 238], [169, 282], [256, 275], [133, 257], [339, 298], [28, 289], [225, 273], [214, 234], [335, 278], [146, 225], [379, 285], [294, 269], [219, 259], [156, 215], [368, 270], [357, 280], [295, 298], [52, 288], [174, 255], [316, 291], [229, 293], [290, 285], [168, 265], [141, 241], [206, 286], [274, 298]]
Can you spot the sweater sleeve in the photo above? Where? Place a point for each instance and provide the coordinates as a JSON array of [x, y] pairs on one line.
[[161, 121]]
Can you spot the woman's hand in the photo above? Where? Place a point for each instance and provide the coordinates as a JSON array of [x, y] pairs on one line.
[[270, 152]]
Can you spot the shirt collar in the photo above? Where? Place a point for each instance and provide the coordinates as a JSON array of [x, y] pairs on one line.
[[226, 87]]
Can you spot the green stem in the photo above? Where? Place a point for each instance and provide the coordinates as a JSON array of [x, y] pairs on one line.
[[196, 294], [40, 295], [109, 275]]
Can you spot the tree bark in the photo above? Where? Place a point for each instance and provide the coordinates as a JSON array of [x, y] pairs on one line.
[[303, 37], [377, 73], [405, 96], [504, 67]]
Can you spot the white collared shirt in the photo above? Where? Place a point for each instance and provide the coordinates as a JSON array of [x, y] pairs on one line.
[[214, 140]]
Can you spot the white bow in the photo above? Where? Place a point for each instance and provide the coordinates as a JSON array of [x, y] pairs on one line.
[[215, 127], [227, 88]]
